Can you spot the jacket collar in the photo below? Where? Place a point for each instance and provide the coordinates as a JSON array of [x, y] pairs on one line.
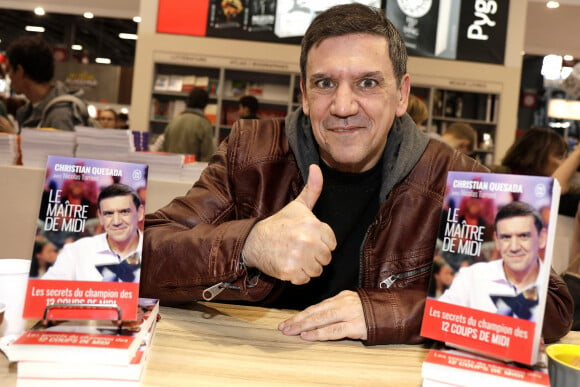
[[405, 145]]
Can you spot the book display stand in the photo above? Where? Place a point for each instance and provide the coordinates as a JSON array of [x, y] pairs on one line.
[[111, 312]]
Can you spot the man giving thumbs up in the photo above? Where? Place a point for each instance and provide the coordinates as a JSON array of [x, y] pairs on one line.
[[333, 212]]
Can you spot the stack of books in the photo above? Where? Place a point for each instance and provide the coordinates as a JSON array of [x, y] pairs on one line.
[[442, 366], [141, 140], [87, 352], [37, 144], [162, 165], [100, 143], [192, 171], [9, 149]]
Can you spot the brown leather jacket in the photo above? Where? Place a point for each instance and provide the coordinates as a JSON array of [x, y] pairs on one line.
[[195, 241]]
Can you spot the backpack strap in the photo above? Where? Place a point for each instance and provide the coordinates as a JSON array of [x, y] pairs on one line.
[[79, 107]]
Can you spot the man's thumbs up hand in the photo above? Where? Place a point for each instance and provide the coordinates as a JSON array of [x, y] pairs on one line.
[[293, 245]]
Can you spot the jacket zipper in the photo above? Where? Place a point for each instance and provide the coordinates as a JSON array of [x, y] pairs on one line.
[[389, 281], [214, 290]]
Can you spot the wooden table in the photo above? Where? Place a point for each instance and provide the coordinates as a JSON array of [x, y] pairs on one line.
[[217, 344]]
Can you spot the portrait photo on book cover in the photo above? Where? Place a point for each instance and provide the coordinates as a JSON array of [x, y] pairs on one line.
[[490, 250], [90, 222]]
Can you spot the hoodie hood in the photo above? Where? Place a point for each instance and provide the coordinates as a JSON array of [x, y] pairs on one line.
[[405, 145]]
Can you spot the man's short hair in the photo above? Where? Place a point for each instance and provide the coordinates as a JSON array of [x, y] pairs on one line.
[[35, 56], [517, 208], [355, 19], [197, 98], [463, 131], [251, 103], [118, 189]]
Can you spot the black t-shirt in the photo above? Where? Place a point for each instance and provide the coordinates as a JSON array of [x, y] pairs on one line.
[[348, 203]]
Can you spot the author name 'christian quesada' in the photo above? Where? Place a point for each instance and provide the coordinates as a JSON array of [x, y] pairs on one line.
[[488, 186], [74, 168]]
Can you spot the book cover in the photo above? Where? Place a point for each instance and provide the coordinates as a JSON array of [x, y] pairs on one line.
[[492, 264], [188, 83], [91, 219], [175, 83], [226, 14], [87, 341], [161, 82], [56, 372], [259, 15], [454, 367]]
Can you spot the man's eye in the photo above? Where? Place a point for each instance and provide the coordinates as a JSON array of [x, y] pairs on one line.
[[324, 84], [368, 83]]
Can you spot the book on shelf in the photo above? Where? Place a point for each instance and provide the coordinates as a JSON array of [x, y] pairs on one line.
[[202, 82], [160, 109], [161, 82], [78, 342], [492, 262], [175, 83], [452, 367], [210, 112], [98, 262], [212, 86], [188, 83]]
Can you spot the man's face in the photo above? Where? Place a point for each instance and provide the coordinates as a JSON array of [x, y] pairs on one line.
[[518, 242], [120, 218], [16, 78], [352, 98], [107, 120]]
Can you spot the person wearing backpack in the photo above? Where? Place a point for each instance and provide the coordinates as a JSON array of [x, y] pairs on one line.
[[50, 104]]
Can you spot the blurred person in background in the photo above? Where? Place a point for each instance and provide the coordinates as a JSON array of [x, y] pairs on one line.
[[191, 132], [417, 109], [122, 121], [543, 152], [30, 67], [249, 107], [108, 118], [460, 136]]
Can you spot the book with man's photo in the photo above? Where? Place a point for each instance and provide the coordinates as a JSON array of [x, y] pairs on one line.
[[86, 257], [492, 262]]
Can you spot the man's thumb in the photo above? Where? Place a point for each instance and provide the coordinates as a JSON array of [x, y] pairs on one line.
[[313, 188]]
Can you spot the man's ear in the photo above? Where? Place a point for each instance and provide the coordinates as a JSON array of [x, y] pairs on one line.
[[543, 238], [403, 94], [305, 106], [141, 213]]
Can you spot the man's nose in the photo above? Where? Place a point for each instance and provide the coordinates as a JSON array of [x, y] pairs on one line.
[[514, 243], [344, 103], [116, 218]]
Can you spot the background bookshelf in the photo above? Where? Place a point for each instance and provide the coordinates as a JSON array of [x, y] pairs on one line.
[[275, 92], [479, 109]]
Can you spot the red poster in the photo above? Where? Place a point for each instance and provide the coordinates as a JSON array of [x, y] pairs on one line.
[[182, 17]]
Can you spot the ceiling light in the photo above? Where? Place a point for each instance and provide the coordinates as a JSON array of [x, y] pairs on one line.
[[76, 47], [103, 60], [552, 4], [34, 29], [88, 15], [124, 35], [39, 11], [137, 19], [568, 58]]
